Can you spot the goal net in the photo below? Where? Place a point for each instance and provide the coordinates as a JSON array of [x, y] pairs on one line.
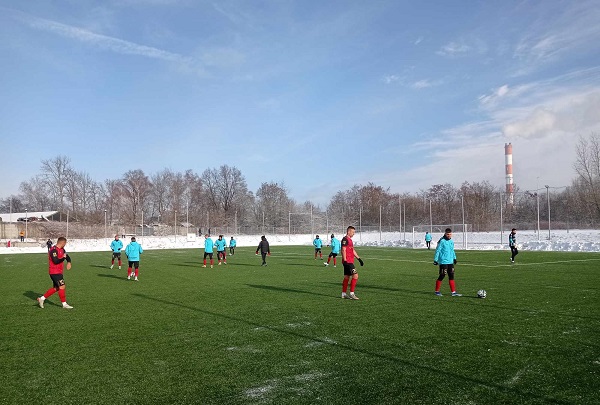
[[460, 235]]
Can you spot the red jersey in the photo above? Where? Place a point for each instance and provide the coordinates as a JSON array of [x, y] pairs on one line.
[[349, 246], [56, 254]]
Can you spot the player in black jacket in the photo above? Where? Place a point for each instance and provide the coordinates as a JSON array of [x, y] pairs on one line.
[[263, 246]]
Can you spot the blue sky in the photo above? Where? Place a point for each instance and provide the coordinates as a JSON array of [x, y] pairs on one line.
[[319, 95]]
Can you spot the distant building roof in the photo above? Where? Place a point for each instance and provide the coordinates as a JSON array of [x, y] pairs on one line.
[[37, 214]]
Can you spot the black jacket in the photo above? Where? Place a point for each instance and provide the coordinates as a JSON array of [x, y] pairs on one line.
[[263, 247]]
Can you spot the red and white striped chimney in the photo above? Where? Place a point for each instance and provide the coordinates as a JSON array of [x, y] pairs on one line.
[[510, 188]]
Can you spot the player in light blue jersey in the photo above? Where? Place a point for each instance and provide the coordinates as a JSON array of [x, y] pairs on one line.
[[116, 246], [220, 244], [335, 250], [232, 244], [445, 257], [318, 244], [208, 250]]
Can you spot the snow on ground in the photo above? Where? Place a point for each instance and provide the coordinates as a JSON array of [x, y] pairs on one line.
[[565, 241]]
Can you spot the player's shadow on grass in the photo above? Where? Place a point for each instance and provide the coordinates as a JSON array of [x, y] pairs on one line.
[[288, 290], [390, 289], [32, 295], [112, 276], [187, 264], [342, 346], [99, 265]]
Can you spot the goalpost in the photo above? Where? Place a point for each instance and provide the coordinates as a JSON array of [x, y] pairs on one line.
[[460, 234]]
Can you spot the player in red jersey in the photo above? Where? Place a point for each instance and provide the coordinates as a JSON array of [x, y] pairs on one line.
[[348, 256], [56, 258]]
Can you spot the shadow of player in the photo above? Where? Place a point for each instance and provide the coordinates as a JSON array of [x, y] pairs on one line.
[[32, 295]]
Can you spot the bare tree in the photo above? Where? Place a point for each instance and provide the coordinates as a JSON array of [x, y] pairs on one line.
[[136, 187], [226, 188], [56, 172], [36, 194], [273, 204], [587, 166]]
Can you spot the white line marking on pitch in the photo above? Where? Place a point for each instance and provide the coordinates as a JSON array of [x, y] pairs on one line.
[[470, 264]]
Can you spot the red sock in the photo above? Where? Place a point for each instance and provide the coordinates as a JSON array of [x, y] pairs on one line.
[[212, 262], [50, 292], [452, 286], [204, 262], [128, 271], [334, 261], [328, 259], [112, 261], [345, 285], [438, 285], [119, 263], [353, 284], [137, 272], [63, 295]]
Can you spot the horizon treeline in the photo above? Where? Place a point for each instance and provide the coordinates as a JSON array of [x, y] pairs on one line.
[[220, 197]]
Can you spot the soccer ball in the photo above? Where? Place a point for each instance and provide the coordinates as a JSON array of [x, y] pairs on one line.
[[481, 294]]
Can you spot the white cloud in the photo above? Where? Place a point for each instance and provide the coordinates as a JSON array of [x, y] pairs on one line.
[[424, 83], [541, 119], [105, 42], [418, 40], [535, 125], [558, 32], [496, 94], [389, 79], [454, 49]]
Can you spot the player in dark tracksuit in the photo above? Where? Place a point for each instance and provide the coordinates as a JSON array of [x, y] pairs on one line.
[[512, 242], [264, 249]]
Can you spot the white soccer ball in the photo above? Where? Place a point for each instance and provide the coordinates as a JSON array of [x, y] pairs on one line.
[[481, 294]]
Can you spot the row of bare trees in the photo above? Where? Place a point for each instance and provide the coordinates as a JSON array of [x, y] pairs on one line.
[[219, 197]]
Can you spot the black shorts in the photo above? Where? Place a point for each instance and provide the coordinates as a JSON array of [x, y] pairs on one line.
[[317, 250], [333, 254], [57, 280], [446, 269], [206, 254], [349, 269], [117, 255], [135, 264]]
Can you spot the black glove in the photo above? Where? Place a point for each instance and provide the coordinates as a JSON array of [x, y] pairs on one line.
[[435, 263], [361, 261], [454, 261]]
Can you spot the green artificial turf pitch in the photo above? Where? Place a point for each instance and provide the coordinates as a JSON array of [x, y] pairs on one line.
[[246, 334]]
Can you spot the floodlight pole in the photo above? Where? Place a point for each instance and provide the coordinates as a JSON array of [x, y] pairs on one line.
[[548, 197], [105, 234], [360, 222], [400, 214], [430, 219], [462, 204], [379, 222], [404, 213], [501, 221], [312, 227], [537, 196], [142, 226]]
